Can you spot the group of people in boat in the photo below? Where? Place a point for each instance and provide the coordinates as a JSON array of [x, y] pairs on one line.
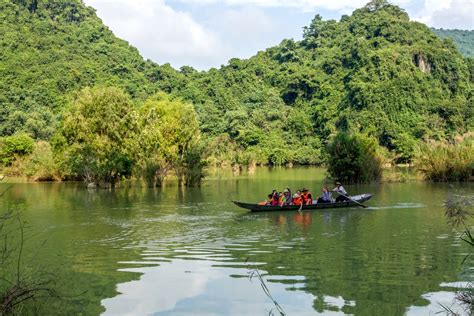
[[305, 197]]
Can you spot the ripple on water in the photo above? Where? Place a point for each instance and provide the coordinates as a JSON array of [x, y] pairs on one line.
[[397, 206]]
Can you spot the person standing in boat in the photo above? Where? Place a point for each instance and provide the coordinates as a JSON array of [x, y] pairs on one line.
[[341, 191], [326, 198]]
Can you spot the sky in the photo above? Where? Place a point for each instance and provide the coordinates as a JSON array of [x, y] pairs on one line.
[[207, 33]]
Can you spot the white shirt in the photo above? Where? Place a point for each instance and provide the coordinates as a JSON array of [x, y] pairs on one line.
[[340, 189]]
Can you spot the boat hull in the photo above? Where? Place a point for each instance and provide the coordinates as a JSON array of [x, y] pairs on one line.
[[265, 208]]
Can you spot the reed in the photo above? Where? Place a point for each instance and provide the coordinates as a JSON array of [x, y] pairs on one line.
[[445, 161], [458, 211], [255, 274]]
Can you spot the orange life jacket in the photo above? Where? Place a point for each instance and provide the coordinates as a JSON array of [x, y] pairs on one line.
[[306, 198], [297, 201]]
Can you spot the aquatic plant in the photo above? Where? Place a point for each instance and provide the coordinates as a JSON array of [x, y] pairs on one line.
[[447, 160], [458, 209], [17, 284]]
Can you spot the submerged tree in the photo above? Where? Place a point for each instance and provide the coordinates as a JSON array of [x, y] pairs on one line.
[[354, 158], [169, 140], [94, 140]]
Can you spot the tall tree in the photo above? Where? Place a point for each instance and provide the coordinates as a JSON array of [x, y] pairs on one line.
[[95, 137]]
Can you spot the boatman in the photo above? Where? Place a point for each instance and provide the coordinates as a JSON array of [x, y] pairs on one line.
[[341, 191]]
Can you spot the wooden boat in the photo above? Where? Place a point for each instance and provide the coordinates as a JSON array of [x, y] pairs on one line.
[[263, 208]]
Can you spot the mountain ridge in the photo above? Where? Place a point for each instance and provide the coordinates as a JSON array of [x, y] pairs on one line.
[[374, 71]]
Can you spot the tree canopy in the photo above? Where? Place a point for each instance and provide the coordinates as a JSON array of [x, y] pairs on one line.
[[374, 72]]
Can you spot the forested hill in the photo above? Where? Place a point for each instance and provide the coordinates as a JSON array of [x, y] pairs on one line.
[[463, 39], [373, 71], [50, 48]]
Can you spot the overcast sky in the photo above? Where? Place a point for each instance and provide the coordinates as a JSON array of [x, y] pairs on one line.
[[207, 33]]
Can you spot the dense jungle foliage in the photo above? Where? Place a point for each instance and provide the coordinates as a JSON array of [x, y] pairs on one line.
[[463, 39], [374, 72]]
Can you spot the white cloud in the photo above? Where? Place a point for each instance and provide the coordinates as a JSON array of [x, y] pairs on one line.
[[160, 32], [448, 14], [306, 5], [240, 28], [244, 31]]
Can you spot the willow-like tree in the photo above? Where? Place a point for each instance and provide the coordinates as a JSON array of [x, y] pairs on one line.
[[169, 140], [94, 140]]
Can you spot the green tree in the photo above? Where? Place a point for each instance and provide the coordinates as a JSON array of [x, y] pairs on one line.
[[94, 140], [354, 158], [169, 140]]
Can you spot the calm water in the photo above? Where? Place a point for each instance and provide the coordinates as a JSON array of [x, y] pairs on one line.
[[172, 251]]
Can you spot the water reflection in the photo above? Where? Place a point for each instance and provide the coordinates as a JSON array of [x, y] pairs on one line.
[[176, 251], [198, 288]]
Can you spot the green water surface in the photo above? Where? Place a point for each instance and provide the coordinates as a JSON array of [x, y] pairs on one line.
[[176, 251]]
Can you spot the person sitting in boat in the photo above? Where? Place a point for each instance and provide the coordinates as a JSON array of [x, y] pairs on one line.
[[341, 191], [307, 197], [326, 198], [275, 199], [287, 199], [268, 201], [297, 200]]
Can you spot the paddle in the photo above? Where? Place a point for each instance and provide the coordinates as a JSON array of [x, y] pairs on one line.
[[360, 204]]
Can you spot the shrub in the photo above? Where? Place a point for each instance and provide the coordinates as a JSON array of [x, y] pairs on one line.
[[354, 158], [12, 147], [447, 160], [40, 165]]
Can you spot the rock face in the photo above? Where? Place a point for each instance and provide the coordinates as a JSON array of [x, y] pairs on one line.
[[420, 61]]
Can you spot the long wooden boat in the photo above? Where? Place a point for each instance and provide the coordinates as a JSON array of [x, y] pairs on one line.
[[263, 208]]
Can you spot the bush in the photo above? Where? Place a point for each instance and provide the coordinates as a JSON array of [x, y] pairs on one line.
[[447, 160], [12, 147], [354, 158], [40, 165]]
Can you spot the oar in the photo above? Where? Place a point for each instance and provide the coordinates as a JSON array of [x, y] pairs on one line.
[[360, 204]]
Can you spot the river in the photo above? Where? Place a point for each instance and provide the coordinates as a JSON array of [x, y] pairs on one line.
[[178, 251]]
